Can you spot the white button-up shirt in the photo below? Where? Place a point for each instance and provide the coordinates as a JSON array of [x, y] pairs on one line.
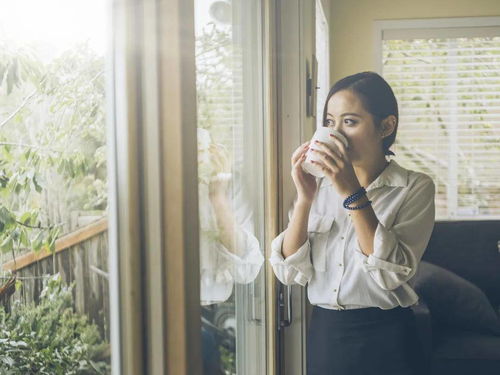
[[339, 274], [219, 267]]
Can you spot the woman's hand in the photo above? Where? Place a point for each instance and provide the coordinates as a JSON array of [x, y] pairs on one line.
[[337, 167], [305, 183]]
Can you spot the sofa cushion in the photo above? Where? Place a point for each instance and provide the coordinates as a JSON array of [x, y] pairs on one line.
[[459, 366], [454, 301], [469, 249], [466, 345]]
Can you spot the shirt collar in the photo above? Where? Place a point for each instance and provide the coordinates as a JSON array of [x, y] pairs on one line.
[[392, 175]]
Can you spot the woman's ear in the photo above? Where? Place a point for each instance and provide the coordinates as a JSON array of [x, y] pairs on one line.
[[388, 126]]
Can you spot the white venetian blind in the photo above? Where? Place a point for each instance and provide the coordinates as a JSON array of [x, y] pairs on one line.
[[448, 91]]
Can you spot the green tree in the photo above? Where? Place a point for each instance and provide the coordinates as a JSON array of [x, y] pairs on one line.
[[52, 143]]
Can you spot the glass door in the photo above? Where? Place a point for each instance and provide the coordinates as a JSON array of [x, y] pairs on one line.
[[230, 127]]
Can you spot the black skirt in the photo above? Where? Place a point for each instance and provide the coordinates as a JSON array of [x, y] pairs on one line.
[[368, 341]]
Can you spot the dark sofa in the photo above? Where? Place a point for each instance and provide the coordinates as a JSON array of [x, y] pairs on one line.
[[457, 310]]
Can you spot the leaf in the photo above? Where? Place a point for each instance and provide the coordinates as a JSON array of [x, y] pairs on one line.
[[25, 218], [6, 216], [37, 242], [24, 238], [9, 361], [4, 180], [38, 188], [6, 245]]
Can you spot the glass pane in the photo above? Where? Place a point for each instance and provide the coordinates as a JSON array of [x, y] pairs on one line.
[[53, 188], [231, 184]]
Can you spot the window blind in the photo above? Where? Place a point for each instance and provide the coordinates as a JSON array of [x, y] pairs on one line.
[[448, 91]]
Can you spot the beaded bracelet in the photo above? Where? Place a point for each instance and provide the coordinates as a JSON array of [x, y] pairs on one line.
[[366, 204], [354, 197]]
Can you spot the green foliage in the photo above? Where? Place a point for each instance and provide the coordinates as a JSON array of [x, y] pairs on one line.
[[49, 338], [227, 358], [215, 86], [52, 142]]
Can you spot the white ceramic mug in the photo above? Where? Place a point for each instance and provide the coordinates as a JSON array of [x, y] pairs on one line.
[[322, 134]]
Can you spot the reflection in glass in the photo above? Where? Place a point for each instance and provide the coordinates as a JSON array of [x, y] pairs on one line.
[[228, 252], [230, 184]]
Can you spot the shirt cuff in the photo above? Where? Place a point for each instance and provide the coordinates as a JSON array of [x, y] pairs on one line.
[[246, 244], [296, 268], [384, 245], [244, 269]]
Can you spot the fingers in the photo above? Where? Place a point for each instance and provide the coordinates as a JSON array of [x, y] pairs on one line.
[[330, 151], [327, 165], [330, 156], [299, 160], [340, 145], [299, 152], [220, 157]]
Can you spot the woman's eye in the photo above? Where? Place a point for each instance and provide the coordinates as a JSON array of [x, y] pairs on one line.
[[352, 122], [328, 122]]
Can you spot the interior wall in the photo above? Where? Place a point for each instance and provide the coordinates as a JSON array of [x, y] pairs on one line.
[[351, 26]]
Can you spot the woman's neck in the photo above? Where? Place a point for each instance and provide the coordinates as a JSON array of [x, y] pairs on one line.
[[368, 172]]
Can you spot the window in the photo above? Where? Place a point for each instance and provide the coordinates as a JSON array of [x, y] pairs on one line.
[[445, 76], [230, 125]]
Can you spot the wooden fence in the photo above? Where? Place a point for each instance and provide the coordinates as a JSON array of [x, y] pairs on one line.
[[80, 257]]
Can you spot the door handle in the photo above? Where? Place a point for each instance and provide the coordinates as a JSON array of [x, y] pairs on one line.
[[254, 305], [285, 306]]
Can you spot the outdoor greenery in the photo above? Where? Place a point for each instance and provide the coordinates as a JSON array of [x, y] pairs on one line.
[[52, 143], [50, 338], [216, 91], [52, 163]]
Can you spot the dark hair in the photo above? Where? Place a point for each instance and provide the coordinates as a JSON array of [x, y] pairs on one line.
[[377, 97]]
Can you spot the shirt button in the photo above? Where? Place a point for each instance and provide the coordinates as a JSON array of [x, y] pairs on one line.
[[341, 238], [340, 264], [335, 290]]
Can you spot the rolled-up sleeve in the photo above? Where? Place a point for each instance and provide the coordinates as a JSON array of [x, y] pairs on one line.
[[243, 269], [398, 250], [296, 268]]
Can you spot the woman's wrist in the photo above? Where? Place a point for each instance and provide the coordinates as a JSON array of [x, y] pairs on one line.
[[219, 201], [349, 192], [305, 203]]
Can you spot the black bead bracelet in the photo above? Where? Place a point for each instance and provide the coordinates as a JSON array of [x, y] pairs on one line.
[[354, 197], [366, 204]]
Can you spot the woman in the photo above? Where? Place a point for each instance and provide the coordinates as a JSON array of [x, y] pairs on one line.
[[229, 251], [357, 236]]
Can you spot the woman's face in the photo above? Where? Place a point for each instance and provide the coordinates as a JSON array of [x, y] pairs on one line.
[[346, 114]]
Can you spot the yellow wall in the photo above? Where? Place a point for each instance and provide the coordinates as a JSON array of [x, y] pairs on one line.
[[351, 25]]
